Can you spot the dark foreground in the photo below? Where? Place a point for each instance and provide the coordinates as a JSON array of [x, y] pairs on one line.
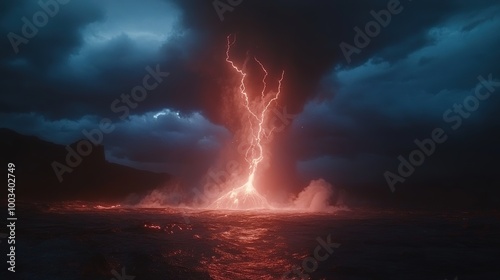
[[89, 242]]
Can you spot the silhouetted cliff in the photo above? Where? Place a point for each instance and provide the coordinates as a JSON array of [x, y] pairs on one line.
[[90, 178]]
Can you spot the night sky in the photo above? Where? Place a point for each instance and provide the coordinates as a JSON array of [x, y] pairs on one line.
[[347, 114]]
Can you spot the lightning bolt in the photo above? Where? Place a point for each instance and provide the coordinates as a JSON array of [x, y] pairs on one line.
[[246, 196]]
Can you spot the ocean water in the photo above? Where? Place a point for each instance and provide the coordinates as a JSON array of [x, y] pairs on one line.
[[80, 241]]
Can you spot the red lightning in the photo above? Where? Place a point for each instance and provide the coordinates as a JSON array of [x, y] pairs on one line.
[[246, 196]]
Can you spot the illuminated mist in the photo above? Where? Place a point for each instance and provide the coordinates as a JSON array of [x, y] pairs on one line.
[[315, 197]]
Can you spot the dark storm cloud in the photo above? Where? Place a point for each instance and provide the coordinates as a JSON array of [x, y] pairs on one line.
[[91, 52], [380, 107], [184, 145], [53, 41], [303, 37]]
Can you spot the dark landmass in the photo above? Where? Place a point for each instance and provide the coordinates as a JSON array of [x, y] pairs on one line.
[[93, 178]]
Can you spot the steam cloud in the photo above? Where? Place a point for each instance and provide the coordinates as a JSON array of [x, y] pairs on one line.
[[315, 197]]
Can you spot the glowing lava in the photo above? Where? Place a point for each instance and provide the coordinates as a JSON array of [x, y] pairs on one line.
[[246, 196]]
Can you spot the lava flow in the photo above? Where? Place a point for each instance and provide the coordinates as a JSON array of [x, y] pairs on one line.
[[246, 196]]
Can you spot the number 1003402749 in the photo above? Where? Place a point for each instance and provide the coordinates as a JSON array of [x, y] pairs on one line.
[[11, 188]]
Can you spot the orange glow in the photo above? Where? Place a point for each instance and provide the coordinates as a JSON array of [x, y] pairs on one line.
[[246, 196]]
